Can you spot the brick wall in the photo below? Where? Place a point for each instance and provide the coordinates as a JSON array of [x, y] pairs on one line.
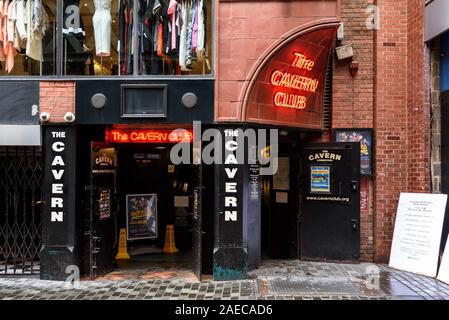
[[57, 98], [418, 102], [353, 98], [402, 117], [387, 94], [390, 120]]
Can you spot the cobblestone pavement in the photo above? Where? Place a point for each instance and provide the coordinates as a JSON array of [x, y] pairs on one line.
[[283, 280]]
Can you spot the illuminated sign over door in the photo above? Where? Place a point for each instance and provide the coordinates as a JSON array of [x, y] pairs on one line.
[[149, 136], [289, 89]]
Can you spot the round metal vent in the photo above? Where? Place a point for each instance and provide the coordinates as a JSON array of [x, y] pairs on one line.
[[98, 100], [189, 100]]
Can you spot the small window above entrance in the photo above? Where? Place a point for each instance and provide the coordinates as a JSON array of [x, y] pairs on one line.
[[144, 101]]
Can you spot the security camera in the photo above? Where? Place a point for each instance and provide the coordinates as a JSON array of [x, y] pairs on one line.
[[69, 117], [44, 116]]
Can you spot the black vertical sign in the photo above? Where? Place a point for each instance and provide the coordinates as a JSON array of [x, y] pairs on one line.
[[230, 253], [58, 215], [252, 210]]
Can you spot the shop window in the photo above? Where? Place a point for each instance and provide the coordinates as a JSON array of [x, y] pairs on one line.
[[136, 37], [174, 37], [105, 37], [27, 37], [90, 30]]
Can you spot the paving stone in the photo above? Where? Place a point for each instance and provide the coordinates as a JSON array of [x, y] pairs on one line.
[[342, 281]]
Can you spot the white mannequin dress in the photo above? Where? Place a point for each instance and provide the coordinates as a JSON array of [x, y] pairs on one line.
[[102, 27]]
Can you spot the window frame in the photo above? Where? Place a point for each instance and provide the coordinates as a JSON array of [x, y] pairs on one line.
[[135, 76], [125, 115]]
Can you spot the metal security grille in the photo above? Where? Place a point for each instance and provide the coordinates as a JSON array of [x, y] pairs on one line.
[[20, 222]]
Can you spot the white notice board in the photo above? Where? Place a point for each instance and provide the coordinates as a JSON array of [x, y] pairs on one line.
[[443, 273], [417, 233]]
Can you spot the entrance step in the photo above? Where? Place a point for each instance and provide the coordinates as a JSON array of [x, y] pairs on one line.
[[142, 250]]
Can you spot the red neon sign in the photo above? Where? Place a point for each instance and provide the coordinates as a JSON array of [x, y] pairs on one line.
[[149, 136], [294, 81], [289, 88]]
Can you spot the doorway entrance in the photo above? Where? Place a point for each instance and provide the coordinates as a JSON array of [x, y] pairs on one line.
[[136, 187], [280, 205], [311, 206], [146, 178]]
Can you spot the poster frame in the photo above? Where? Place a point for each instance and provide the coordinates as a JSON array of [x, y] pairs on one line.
[[329, 177], [127, 215], [366, 133]]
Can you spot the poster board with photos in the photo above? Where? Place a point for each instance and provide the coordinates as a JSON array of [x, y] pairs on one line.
[[365, 137]]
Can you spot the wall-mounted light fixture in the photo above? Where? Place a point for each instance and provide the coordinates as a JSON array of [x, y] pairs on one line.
[[353, 67]]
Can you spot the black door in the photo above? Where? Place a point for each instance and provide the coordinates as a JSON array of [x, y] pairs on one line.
[[102, 236], [330, 202], [197, 230]]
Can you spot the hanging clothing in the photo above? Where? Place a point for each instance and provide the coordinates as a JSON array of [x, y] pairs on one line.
[[195, 27], [126, 36], [191, 17], [21, 20], [201, 43], [37, 23], [2, 19], [171, 35], [130, 38], [102, 27], [172, 14], [183, 36], [121, 31], [148, 20], [10, 42]]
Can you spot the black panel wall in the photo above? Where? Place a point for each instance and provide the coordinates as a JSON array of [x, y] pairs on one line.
[[17, 99], [111, 113]]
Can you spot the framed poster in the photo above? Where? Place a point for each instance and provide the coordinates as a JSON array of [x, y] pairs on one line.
[[141, 216], [365, 137], [320, 179]]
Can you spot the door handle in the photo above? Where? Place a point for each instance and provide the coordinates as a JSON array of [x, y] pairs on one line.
[[37, 202], [354, 186], [354, 224]]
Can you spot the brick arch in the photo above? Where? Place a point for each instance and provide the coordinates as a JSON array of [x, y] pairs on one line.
[[253, 76]]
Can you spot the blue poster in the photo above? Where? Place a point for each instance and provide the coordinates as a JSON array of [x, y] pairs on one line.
[[141, 216], [320, 179]]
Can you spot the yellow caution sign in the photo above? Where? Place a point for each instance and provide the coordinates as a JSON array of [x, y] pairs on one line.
[[170, 246], [122, 253]]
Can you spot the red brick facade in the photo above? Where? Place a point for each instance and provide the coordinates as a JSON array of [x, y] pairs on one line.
[[353, 96], [402, 113], [57, 98], [388, 93]]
